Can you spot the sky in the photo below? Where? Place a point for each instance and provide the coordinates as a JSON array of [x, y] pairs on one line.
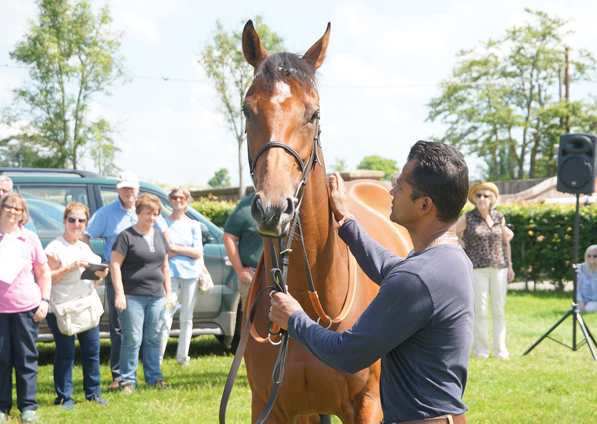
[[384, 62]]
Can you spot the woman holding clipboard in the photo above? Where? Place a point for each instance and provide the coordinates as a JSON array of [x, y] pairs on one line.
[[67, 255]]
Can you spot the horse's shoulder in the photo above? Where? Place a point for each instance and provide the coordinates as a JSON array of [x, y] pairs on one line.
[[371, 204]]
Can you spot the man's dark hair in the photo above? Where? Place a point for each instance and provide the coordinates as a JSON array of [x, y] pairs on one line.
[[440, 173]]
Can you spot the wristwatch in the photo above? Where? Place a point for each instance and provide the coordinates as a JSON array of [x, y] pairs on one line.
[[43, 299]]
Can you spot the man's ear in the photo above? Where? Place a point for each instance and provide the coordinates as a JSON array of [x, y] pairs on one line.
[[425, 205]]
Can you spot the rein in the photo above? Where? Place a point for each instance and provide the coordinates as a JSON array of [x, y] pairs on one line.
[[278, 275]]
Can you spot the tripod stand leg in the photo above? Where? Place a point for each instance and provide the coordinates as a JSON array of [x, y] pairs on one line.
[[590, 334], [570, 312], [588, 337]]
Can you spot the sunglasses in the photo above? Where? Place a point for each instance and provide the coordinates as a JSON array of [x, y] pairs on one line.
[[487, 196], [8, 208], [591, 256], [181, 198], [73, 220]]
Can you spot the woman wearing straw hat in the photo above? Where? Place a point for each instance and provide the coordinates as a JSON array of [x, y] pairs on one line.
[[486, 242]]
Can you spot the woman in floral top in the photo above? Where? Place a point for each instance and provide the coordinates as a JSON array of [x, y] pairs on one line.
[[485, 240], [586, 294]]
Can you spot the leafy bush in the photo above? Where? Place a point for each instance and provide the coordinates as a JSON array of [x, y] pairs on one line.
[[217, 211], [543, 245]]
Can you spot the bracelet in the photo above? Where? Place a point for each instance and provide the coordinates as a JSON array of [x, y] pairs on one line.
[[346, 218], [43, 299]]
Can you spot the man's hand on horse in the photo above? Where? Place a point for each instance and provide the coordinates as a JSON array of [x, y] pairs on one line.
[[337, 194], [283, 305]]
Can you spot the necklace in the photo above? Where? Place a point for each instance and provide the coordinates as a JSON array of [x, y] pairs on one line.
[[442, 238]]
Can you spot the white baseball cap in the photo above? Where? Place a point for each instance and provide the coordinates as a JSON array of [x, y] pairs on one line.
[[127, 179]]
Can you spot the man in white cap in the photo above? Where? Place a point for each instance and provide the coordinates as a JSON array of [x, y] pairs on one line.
[[107, 222]]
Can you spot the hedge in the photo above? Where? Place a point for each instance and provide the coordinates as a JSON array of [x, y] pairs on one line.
[[543, 243], [217, 211]]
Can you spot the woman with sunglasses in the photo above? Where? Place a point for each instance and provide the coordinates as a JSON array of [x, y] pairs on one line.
[[67, 257], [185, 248], [23, 304], [586, 295], [486, 241]]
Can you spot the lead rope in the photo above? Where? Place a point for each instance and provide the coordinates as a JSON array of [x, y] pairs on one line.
[[278, 276]]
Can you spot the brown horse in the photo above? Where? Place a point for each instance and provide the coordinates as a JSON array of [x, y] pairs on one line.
[[282, 106]]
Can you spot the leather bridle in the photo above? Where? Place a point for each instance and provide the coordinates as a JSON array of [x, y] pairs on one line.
[[278, 275]]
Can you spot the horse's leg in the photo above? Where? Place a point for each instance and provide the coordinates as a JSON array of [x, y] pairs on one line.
[[369, 412], [276, 415]]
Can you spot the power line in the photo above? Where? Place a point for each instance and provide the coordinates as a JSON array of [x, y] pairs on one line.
[[440, 84]]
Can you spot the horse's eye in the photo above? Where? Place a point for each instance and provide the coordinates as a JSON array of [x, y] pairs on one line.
[[314, 117], [247, 115]]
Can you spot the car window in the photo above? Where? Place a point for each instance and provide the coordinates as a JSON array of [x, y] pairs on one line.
[[47, 203], [108, 194]]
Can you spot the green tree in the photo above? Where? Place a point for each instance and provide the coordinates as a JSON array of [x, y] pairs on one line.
[[221, 178], [102, 148], [503, 101], [377, 163], [72, 55], [231, 76]]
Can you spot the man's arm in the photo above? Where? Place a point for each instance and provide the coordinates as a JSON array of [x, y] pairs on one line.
[[86, 239], [399, 310], [231, 246]]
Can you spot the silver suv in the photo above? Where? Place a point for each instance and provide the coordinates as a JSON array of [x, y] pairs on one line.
[[48, 191]]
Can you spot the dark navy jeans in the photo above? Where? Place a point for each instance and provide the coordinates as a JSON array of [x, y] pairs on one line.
[[64, 359], [18, 335]]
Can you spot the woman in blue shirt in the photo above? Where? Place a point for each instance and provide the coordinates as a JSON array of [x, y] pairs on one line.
[[586, 295], [185, 248]]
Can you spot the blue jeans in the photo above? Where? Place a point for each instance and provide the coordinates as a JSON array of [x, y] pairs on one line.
[[18, 335], [64, 359], [141, 322]]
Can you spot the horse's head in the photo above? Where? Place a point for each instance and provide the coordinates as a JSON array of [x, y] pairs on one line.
[[282, 113]]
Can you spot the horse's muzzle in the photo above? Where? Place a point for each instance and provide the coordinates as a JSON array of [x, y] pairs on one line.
[[273, 219]]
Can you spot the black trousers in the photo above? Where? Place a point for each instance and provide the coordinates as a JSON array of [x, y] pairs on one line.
[[18, 335]]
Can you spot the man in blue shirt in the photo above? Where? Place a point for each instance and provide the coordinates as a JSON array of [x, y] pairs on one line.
[[6, 188], [107, 223], [420, 323]]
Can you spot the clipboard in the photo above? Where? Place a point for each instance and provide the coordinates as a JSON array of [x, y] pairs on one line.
[[89, 273]]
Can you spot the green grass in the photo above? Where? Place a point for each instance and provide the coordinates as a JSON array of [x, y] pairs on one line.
[[552, 384]]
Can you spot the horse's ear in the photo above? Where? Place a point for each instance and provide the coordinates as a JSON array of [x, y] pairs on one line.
[[252, 49], [316, 54]]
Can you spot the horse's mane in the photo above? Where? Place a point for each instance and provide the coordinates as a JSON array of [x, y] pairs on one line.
[[279, 65]]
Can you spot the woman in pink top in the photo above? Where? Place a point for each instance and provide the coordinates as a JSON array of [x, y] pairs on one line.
[[23, 304]]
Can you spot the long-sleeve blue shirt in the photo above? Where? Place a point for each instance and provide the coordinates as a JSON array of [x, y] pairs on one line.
[[420, 325]]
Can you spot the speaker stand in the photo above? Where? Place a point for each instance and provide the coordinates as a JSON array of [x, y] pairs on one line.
[[573, 311]]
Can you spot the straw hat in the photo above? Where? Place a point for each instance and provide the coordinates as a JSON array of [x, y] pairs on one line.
[[483, 186]]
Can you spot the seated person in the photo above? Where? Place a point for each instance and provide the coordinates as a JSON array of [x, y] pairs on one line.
[[586, 295]]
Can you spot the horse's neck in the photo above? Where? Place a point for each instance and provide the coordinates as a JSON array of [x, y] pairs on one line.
[[326, 255]]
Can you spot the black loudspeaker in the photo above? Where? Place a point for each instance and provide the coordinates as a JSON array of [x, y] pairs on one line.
[[576, 163]]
